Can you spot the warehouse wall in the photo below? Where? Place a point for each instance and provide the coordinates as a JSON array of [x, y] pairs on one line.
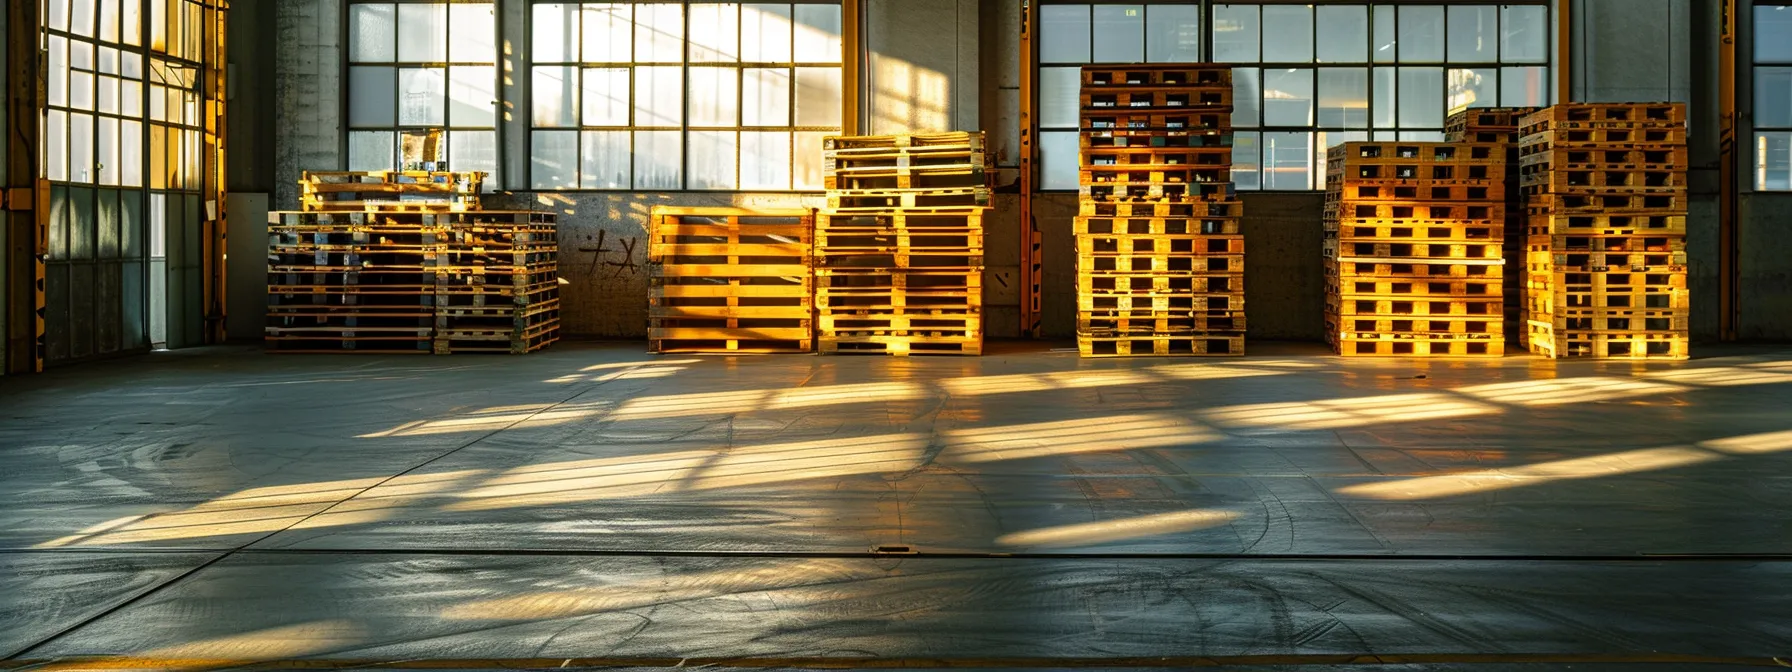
[[924, 72]]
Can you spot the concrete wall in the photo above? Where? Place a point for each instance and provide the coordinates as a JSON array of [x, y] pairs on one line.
[[308, 89], [923, 69]]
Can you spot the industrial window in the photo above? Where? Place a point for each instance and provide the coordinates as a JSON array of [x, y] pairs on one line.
[[422, 86], [1773, 97], [673, 96], [1308, 76]]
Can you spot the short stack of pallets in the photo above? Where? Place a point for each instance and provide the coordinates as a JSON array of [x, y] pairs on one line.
[[1160, 255], [730, 280], [390, 191], [899, 249], [1500, 125], [381, 278], [1413, 235], [1606, 256]]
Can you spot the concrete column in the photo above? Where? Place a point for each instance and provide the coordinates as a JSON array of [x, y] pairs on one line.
[[308, 89], [924, 65], [513, 113]]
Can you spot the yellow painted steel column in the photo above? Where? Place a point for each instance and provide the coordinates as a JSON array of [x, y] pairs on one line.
[[215, 185], [27, 211], [1729, 178], [851, 40], [1031, 242]]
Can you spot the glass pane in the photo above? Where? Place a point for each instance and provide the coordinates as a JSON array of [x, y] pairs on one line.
[[1058, 160], [55, 144], [1343, 34], [475, 38], [372, 150], [1287, 97], [1235, 33], [1472, 34], [1064, 34], [371, 99], [373, 33], [1382, 47], [606, 97], [818, 34], [1773, 161], [130, 65], [765, 33], [553, 159], [1421, 136], [609, 32], [57, 87], [659, 96], [80, 90], [80, 17], [1288, 34], [1247, 97], [715, 99], [1383, 104], [56, 14], [472, 95], [80, 148], [715, 32], [1773, 97], [158, 99], [765, 160], [658, 156], [1119, 33], [422, 95], [106, 94], [555, 102], [109, 20], [108, 61], [1524, 34], [130, 99], [1421, 34], [107, 151], [1247, 152], [818, 97], [473, 151], [554, 33], [1473, 88], [659, 33], [1059, 97], [130, 153], [1344, 97], [807, 163], [712, 159], [1173, 34], [423, 33], [1524, 87], [131, 24], [1421, 97], [603, 160], [765, 98]]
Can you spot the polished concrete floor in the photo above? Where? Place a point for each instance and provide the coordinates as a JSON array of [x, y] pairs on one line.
[[596, 506]]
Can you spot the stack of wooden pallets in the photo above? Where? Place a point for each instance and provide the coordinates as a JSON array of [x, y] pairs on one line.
[[1500, 125], [1160, 258], [390, 191], [405, 277], [899, 250], [1606, 256], [730, 280], [1413, 248], [496, 282]]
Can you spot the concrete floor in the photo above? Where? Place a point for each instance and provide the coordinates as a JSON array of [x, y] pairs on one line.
[[1286, 510]]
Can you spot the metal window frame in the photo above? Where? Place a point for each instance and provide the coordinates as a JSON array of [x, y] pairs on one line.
[[848, 95], [1315, 175], [397, 129]]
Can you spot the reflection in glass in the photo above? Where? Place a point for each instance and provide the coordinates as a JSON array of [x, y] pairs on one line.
[[1119, 30], [1287, 34], [1173, 33], [1235, 33], [603, 159]]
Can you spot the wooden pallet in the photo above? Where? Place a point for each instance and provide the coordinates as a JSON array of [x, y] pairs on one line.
[[495, 341], [1607, 225], [1121, 141], [1354, 154], [405, 191], [1103, 100], [912, 142], [1154, 226], [914, 200], [1226, 209], [1158, 75], [1392, 345], [901, 346], [730, 280], [1137, 122], [1155, 192], [1153, 345], [1189, 323], [1415, 213], [1372, 231], [1542, 339]]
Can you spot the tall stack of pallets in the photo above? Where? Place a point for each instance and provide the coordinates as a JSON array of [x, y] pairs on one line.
[[1606, 256], [1413, 249], [899, 249], [1160, 258], [1500, 125], [404, 275], [730, 280], [390, 191]]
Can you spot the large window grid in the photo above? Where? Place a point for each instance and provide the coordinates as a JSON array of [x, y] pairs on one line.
[[674, 96], [1772, 36], [1309, 76], [423, 86]]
